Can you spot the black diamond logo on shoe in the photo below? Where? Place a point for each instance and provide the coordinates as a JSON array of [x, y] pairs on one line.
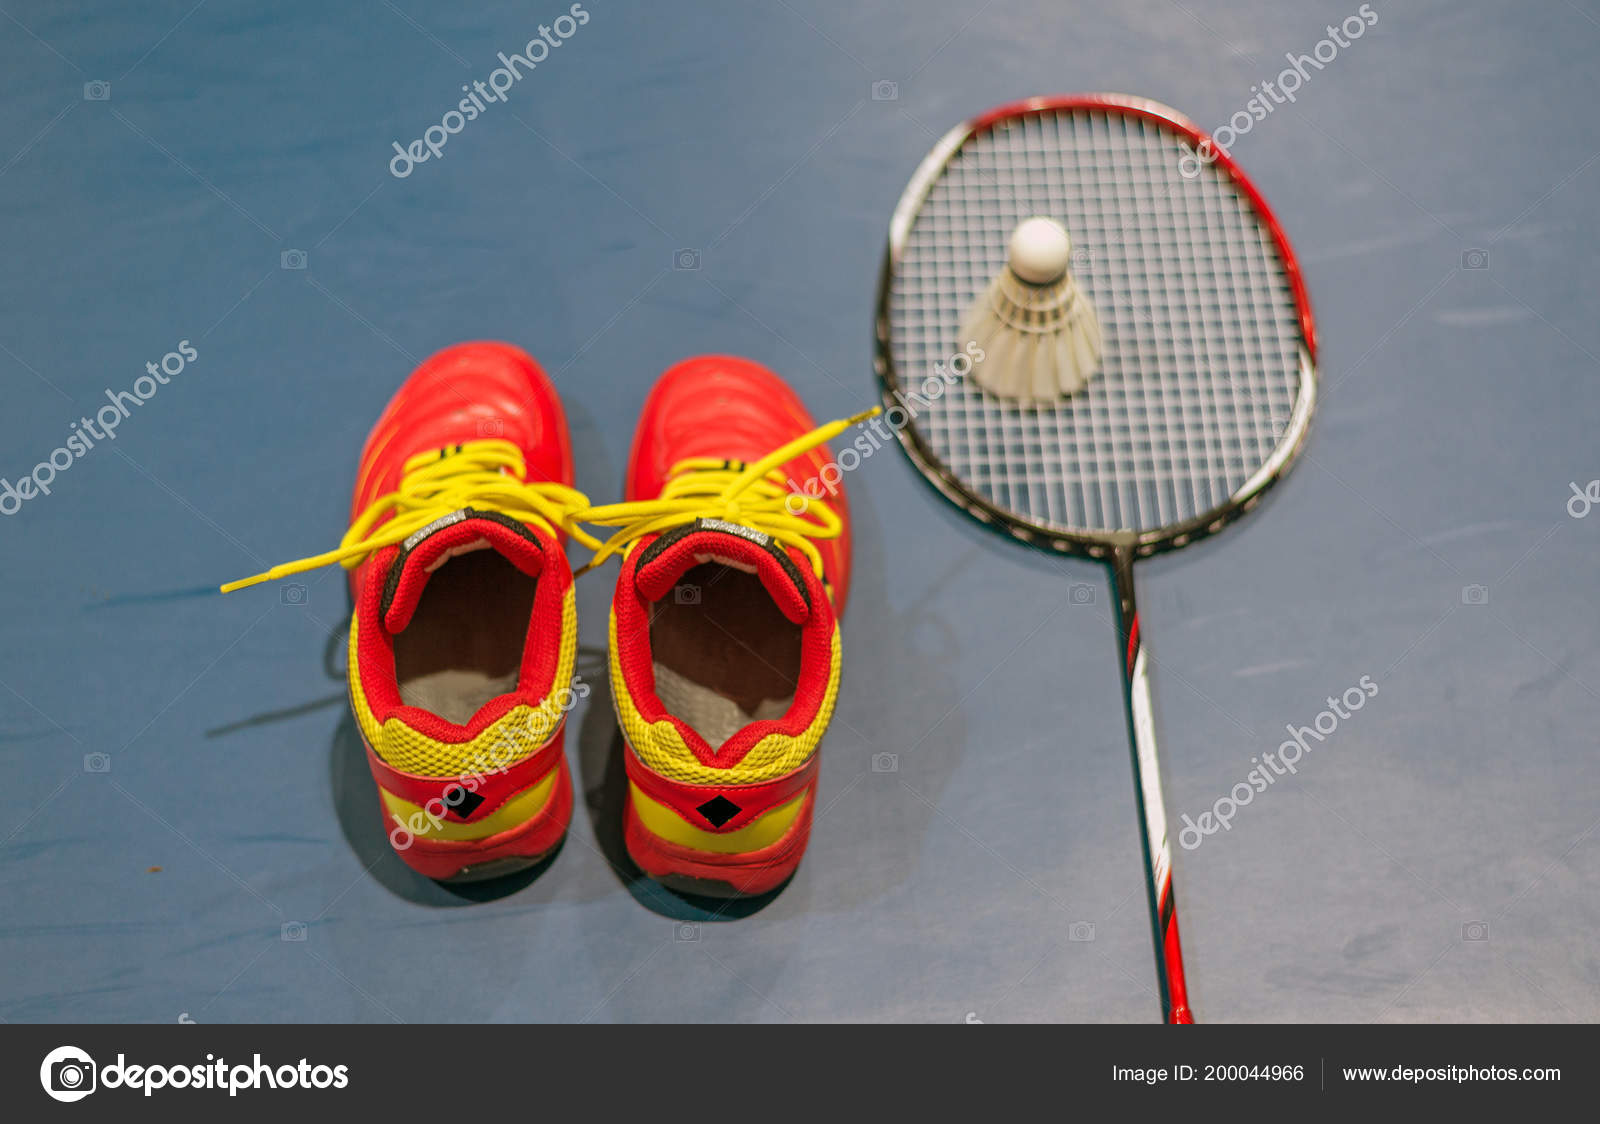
[[719, 810], [461, 802]]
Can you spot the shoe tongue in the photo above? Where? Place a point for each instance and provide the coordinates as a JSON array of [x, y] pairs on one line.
[[460, 532], [679, 550]]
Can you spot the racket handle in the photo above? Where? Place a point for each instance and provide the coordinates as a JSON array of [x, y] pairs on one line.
[[1152, 808], [1177, 987]]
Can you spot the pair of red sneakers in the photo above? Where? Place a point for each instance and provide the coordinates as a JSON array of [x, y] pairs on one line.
[[724, 639]]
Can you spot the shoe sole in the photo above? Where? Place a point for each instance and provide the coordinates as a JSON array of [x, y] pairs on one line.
[[494, 868]]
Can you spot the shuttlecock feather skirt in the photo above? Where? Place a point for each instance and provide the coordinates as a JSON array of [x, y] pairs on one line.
[[1040, 343]]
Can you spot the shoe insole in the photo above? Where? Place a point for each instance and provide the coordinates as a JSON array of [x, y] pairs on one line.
[[465, 641], [724, 653]]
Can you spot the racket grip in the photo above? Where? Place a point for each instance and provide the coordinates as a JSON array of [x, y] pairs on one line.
[[1178, 1012]]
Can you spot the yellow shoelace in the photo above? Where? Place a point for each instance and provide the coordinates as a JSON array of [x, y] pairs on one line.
[[488, 475], [754, 495]]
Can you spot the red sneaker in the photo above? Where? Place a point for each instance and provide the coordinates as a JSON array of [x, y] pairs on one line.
[[724, 627], [464, 632]]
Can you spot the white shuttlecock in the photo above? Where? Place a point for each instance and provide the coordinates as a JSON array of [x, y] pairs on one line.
[[1038, 332]]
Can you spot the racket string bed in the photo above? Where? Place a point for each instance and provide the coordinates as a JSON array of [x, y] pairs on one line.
[[1201, 368]]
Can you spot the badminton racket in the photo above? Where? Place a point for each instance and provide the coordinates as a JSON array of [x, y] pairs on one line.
[[1206, 381]]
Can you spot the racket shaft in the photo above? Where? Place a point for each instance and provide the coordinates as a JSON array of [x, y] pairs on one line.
[[1153, 811]]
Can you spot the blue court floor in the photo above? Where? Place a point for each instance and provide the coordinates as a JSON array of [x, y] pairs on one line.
[[187, 826]]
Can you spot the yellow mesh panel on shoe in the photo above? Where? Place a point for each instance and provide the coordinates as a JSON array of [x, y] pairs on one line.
[[518, 735], [662, 748]]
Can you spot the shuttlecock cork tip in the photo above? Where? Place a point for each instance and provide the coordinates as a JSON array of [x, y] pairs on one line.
[[1040, 251]]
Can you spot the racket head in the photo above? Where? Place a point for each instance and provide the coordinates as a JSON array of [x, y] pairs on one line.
[[1208, 378]]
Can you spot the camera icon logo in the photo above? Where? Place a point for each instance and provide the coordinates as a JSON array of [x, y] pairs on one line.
[[1081, 594], [885, 762], [68, 1074], [97, 762], [97, 91], [686, 260], [1081, 931], [1474, 930], [686, 594], [686, 932], [884, 90], [1474, 595], [293, 594], [293, 259], [1474, 259], [491, 427], [293, 932]]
